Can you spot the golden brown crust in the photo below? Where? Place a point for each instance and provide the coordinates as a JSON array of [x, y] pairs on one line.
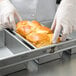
[[38, 39], [24, 30], [21, 23], [43, 29]]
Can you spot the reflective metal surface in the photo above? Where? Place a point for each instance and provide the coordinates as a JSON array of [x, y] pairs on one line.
[[54, 68]]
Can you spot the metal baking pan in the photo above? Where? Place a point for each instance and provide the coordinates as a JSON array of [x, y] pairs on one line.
[[17, 51], [44, 58], [22, 39], [55, 49]]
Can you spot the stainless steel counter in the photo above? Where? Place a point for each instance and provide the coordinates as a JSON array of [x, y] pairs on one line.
[[54, 68]]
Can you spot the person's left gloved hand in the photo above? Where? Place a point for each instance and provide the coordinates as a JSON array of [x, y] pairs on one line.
[[8, 14]]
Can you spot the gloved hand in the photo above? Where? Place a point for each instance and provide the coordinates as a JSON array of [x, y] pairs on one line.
[[7, 15], [65, 19]]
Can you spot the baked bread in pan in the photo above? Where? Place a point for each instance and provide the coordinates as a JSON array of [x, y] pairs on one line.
[[35, 33]]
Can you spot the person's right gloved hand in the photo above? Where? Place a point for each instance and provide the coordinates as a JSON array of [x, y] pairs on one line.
[[65, 19], [8, 14]]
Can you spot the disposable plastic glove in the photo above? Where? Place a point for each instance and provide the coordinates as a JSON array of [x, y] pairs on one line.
[[65, 19], [8, 14]]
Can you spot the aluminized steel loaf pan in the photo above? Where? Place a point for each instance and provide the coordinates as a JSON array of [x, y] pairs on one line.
[[17, 50], [53, 51]]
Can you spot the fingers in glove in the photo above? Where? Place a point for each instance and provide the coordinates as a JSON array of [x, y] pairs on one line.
[[64, 37], [70, 29], [66, 31], [53, 25], [56, 33], [5, 22], [17, 16], [12, 21]]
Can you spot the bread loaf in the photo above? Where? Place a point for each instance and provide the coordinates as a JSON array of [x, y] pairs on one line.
[[35, 33]]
